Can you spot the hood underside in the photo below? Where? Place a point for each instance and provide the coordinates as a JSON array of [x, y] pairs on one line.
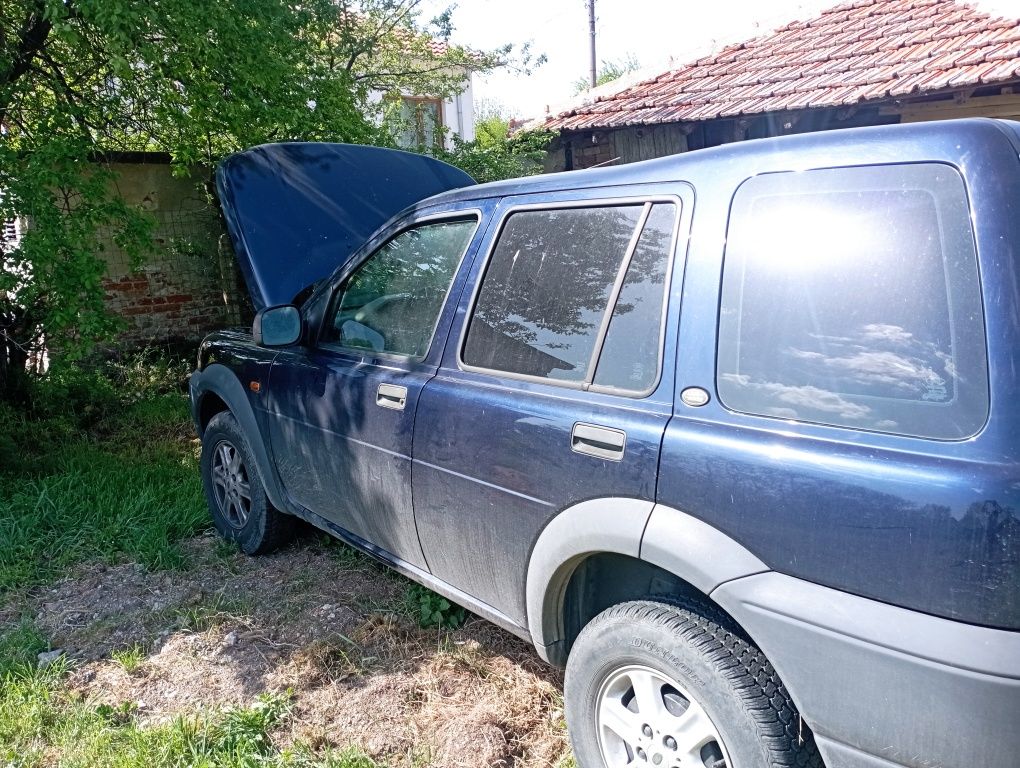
[[297, 211]]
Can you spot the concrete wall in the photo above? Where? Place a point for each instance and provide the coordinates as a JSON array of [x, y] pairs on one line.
[[190, 284]]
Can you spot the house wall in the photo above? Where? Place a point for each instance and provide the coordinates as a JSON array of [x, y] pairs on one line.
[[190, 284], [459, 112]]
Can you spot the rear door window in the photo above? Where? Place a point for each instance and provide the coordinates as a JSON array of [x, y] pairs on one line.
[[575, 295], [630, 355], [851, 297]]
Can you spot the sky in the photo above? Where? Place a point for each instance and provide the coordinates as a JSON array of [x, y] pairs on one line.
[[652, 31]]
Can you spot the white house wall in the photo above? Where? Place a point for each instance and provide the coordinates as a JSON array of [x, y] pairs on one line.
[[458, 112]]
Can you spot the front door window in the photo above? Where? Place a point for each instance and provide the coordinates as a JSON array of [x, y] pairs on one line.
[[391, 303]]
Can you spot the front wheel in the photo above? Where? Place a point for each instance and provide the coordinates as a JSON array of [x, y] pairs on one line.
[[675, 685], [237, 499]]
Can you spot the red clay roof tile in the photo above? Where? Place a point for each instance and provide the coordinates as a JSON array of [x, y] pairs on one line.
[[868, 50]]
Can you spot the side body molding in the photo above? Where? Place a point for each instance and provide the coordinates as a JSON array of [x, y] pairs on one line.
[[683, 545], [221, 381]]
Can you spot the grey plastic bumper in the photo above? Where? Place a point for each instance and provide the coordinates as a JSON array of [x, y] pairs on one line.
[[883, 686]]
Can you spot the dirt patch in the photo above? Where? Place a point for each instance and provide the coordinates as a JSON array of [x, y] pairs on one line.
[[323, 622]]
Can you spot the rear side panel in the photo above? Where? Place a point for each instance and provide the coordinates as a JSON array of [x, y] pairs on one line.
[[841, 515], [930, 525]]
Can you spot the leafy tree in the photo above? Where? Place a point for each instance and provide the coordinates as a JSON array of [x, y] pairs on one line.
[[195, 78], [492, 122], [492, 131], [608, 72], [488, 159], [497, 152]]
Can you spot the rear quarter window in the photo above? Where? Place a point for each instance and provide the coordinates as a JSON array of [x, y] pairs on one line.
[[851, 297]]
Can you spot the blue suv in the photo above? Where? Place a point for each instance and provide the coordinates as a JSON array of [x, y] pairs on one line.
[[733, 435]]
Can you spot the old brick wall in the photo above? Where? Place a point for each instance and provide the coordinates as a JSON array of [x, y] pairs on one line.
[[190, 284]]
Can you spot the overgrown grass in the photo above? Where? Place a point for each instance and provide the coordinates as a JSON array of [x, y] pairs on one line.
[[38, 718], [20, 643], [102, 465], [129, 659], [112, 478]]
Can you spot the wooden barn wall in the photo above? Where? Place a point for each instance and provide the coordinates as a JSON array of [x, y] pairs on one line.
[[633, 144], [584, 149], [575, 150]]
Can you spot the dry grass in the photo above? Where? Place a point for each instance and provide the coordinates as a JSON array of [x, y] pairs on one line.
[[317, 621]]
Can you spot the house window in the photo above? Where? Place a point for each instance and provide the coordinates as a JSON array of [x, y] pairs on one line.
[[421, 122]]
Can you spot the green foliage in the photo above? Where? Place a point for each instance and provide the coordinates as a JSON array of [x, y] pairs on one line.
[[194, 78], [129, 659], [492, 131], [609, 71], [68, 494], [148, 374], [39, 718], [493, 158], [19, 645], [432, 610]]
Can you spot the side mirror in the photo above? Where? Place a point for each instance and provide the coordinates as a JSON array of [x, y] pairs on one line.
[[277, 326]]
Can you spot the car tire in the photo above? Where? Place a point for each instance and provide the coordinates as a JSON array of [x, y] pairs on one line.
[[237, 499], [678, 684]]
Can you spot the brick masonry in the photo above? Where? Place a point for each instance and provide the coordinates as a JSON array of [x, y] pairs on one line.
[[190, 285]]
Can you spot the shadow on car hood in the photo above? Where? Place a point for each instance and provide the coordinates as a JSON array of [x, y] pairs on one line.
[[296, 211]]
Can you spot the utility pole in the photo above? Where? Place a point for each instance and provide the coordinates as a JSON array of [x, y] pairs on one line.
[[591, 27]]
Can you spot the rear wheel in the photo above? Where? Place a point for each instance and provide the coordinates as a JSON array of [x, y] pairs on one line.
[[676, 685], [234, 491]]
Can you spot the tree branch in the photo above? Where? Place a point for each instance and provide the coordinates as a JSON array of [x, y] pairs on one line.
[[31, 39]]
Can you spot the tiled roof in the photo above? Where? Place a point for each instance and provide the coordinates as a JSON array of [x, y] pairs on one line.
[[867, 50]]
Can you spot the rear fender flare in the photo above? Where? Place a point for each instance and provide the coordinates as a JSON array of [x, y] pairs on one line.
[[677, 542]]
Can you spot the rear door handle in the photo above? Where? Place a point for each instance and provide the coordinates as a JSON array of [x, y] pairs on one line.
[[391, 396], [601, 442]]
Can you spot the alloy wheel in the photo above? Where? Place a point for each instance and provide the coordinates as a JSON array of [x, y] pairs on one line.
[[647, 718], [231, 484]]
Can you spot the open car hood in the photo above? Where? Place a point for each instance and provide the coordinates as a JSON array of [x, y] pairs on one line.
[[296, 211]]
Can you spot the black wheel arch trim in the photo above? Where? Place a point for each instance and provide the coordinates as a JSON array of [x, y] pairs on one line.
[[219, 380], [687, 547]]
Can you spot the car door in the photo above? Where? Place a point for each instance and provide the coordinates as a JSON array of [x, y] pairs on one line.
[[342, 408], [552, 389]]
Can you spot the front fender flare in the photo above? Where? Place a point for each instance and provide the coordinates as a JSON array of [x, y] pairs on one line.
[[220, 380]]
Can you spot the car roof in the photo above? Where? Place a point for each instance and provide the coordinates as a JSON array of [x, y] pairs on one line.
[[887, 141]]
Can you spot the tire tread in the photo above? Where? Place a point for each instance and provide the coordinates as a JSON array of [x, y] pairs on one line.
[[713, 633]]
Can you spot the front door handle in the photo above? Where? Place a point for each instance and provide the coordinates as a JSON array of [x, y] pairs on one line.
[[601, 442], [391, 396]]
